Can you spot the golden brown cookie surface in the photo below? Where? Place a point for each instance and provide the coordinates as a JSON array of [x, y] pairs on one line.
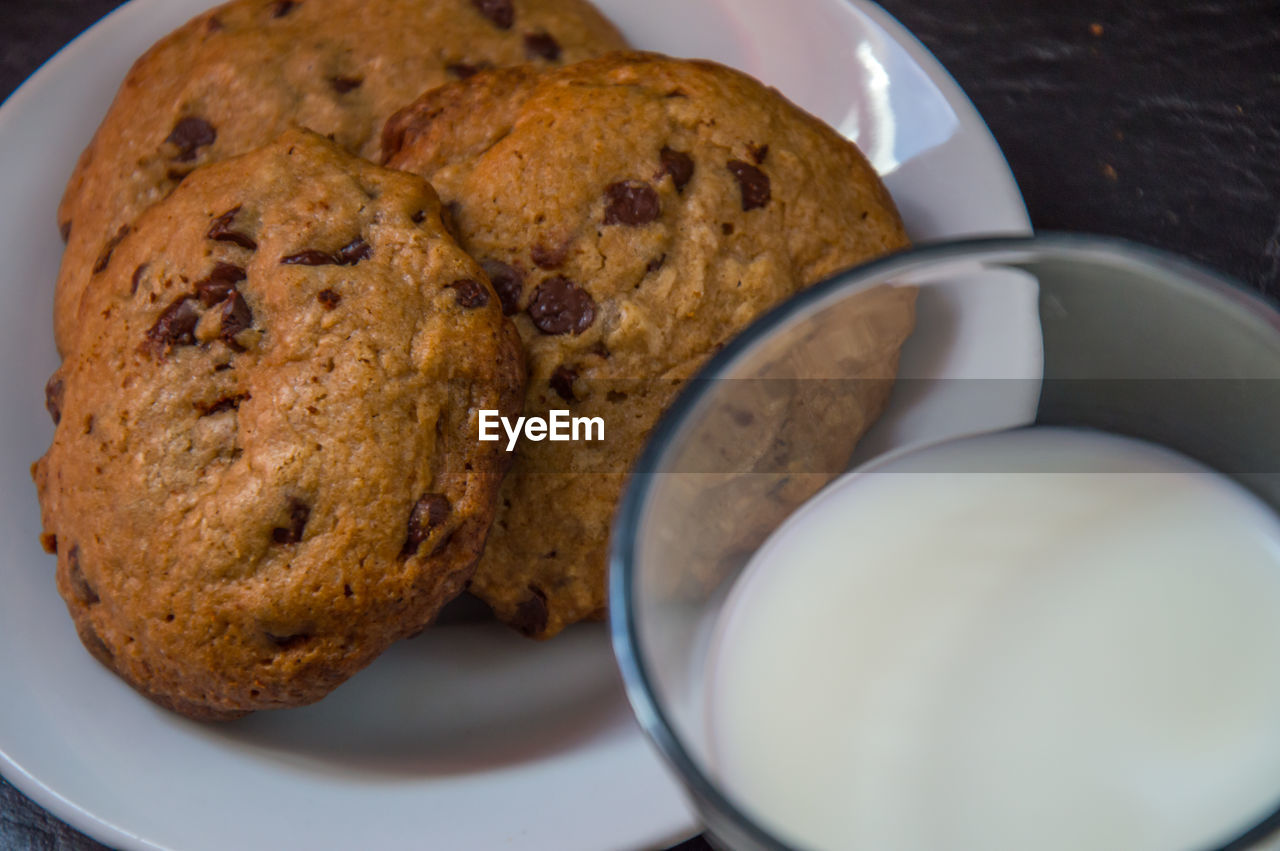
[[265, 468], [236, 77], [633, 212]]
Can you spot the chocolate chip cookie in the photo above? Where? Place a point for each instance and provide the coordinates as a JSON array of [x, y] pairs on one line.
[[236, 77], [265, 468], [633, 213]]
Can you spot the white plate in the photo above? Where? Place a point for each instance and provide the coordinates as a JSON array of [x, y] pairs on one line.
[[468, 737]]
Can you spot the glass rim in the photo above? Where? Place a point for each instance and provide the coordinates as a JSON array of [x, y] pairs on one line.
[[623, 630]]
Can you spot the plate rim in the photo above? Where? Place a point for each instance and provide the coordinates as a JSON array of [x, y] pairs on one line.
[[971, 123], [959, 101]]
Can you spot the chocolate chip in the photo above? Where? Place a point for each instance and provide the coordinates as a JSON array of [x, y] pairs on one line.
[[758, 153], [562, 382], [282, 7], [80, 586], [221, 231], [53, 392], [549, 258], [726, 228], [656, 263], [64, 228], [419, 217], [310, 257], [342, 85], [236, 317], [464, 70], [104, 258], [175, 327], [49, 542], [470, 293], [616, 396], [428, 513], [299, 512], [531, 614], [559, 306], [678, 164], [508, 283], [137, 278], [227, 403], [177, 175], [329, 299], [541, 45], [631, 202], [93, 642], [219, 284], [189, 135], [499, 12], [353, 252], [753, 182], [288, 642]]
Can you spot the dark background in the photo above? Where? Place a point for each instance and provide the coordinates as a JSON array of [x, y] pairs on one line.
[[1156, 120]]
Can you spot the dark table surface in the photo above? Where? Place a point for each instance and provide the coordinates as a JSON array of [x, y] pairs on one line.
[[1156, 120]]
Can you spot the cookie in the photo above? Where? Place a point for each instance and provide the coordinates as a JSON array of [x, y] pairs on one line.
[[236, 77], [634, 212], [264, 469], [771, 436]]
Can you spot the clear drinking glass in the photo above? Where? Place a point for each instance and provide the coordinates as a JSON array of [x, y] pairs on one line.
[[1133, 341]]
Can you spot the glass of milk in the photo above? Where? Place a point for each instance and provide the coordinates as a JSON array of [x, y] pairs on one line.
[[1013, 583]]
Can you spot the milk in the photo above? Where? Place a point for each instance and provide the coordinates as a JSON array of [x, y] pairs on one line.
[[1010, 659]]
